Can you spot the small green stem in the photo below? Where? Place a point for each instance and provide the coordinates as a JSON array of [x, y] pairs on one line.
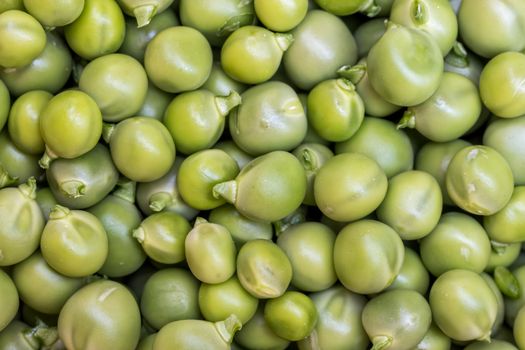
[[144, 14], [226, 190], [408, 120], [345, 84], [419, 12], [352, 73], [498, 248], [73, 188], [370, 8], [284, 40], [309, 160], [225, 104], [6, 179], [228, 327], [160, 200], [199, 220], [139, 234], [458, 56], [47, 158], [107, 131], [58, 212], [29, 188], [381, 342], [125, 189]]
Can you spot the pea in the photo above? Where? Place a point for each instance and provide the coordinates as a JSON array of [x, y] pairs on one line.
[[103, 314], [463, 305], [279, 15], [196, 118], [9, 294], [519, 326], [257, 334], [229, 146], [46, 201], [434, 339], [162, 236], [479, 180], [408, 57], [263, 269], [170, 294], [118, 84], [144, 10], [216, 19], [74, 242], [163, 194], [505, 225], [22, 38], [368, 255], [54, 13], [367, 34], [20, 336], [349, 175], [512, 306], [12, 5], [500, 315], [98, 31], [5, 104], [319, 32], [220, 83], [462, 61], [270, 118], [493, 345], [16, 167], [413, 274], [502, 254], [83, 181], [226, 298], [33, 275], [195, 334], [178, 59], [49, 71], [155, 103], [144, 141], [343, 8], [22, 223]]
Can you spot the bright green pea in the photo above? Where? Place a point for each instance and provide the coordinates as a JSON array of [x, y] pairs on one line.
[[280, 15], [257, 334], [54, 13]]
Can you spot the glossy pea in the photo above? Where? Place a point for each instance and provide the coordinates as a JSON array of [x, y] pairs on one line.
[[368, 33], [279, 15], [506, 225], [11, 5], [257, 334], [53, 14], [503, 254], [343, 8], [155, 103], [9, 294], [220, 83], [434, 339], [16, 166], [494, 344], [144, 11], [413, 274], [229, 146]]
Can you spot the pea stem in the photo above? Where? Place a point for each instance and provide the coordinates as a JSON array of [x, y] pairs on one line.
[[6, 179], [47, 158], [225, 104], [58, 212], [458, 56], [226, 190], [160, 200], [139, 234], [353, 73], [419, 12], [126, 190], [284, 41], [381, 342], [311, 342], [107, 131], [29, 188], [408, 120], [370, 8], [144, 14], [73, 188], [228, 327]]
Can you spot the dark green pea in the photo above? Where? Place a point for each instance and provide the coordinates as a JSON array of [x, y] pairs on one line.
[[196, 118], [226, 298], [413, 274], [98, 31], [197, 334], [49, 71], [83, 181], [368, 255], [5, 104], [33, 275], [335, 109], [367, 34], [162, 236], [397, 319], [434, 339], [22, 39], [46, 201], [379, 140], [163, 194], [319, 32], [118, 83], [220, 84], [9, 295], [23, 123], [101, 315], [74, 242], [343, 8], [463, 305], [434, 158], [178, 59], [504, 135], [291, 316], [120, 216], [229, 146], [263, 269], [216, 19], [11, 5], [257, 334], [406, 57], [507, 225], [22, 223], [155, 103], [500, 302], [271, 117], [20, 336], [512, 306], [457, 242], [200, 173], [349, 175], [519, 326], [16, 167], [241, 228], [309, 247], [268, 188], [281, 15], [493, 345], [146, 343], [455, 104], [145, 141], [462, 61], [53, 14], [170, 294], [479, 180], [507, 283], [144, 10], [502, 254]]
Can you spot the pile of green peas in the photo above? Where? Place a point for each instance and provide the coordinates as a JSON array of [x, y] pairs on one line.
[[262, 174]]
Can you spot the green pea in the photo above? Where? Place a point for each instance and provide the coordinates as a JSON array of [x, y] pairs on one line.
[[101, 315], [9, 294], [220, 83], [349, 175], [271, 117], [118, 84], [462, 61], [162, 236], [144, 10], [21, 336], [144, 141], [479, 180], [74, 242], [170, 294], [46, 201], [519, 326], [98, 31], [413, 274], [397, 319], [155, 103], [320, 31], [33, 275], [463, 305], [226, 298], [367, 34], [502, 254], [279, 15], [196, 118], [493, 345], [434, 339], [500, 315], [22, 223], [343, 8], [11, 5], [146, 343], [229, 146], [368, 255], [268, 188], [16, 166], [257, 334], [506, 225], [263, 269], [5, 104], [513, 305], [291, 316], [22, 38], [178, 59], [54, 13]]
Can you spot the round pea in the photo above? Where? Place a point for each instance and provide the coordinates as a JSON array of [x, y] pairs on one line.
[[494, 344], [5, 104], [220, 83], [9, 294], [54, 13], [16, 166], [434, 339], [343, 8], [506, 225], [155, 103], [413, 274], [280, 15]]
